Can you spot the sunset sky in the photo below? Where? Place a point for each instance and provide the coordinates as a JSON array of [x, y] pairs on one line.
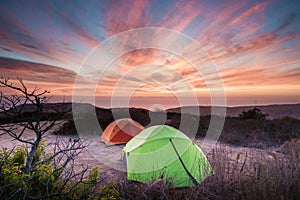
[[255, 46]]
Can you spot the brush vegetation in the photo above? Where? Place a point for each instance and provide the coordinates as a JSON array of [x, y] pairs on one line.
[[237, 175], [267, 170]]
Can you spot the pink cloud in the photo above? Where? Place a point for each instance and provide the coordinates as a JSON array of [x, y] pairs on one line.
[[254, 9], [122, 16], [181, 15], [38, 75]]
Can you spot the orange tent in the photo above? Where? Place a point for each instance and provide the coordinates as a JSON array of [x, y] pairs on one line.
[[121, 131]]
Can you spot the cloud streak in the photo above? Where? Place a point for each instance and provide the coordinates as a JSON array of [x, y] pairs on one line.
[[38, 75], [254, 9]]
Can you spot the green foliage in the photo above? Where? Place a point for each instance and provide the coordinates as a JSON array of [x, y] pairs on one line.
[[109, 191], [12, 179], [28, 172], [14, 182], [94, 175], [90, 188], [254, 113], [86, 190], [19, 156], [46, 179]]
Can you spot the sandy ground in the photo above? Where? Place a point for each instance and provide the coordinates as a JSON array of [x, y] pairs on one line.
[[110, 158], [96, 154]]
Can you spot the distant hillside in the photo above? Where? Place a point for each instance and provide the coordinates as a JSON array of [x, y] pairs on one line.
[[274, 111], [251, 132]]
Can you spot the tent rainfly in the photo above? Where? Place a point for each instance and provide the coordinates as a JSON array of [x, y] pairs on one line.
[[163, 152], [120, 131]]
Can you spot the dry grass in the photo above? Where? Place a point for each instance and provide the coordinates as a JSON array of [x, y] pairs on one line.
[[259, 133], [237, 175]]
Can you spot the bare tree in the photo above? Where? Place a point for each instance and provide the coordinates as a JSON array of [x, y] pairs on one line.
[[27, 112]]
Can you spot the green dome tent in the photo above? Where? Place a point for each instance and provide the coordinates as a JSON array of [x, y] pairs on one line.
[[165, 152]]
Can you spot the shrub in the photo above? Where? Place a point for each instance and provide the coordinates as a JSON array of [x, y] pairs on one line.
[[254, 113], [46, 179], [288, 118], [109, 191], [15, 183]]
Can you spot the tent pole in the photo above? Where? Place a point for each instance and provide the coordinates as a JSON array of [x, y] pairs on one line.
[[188, 173]]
